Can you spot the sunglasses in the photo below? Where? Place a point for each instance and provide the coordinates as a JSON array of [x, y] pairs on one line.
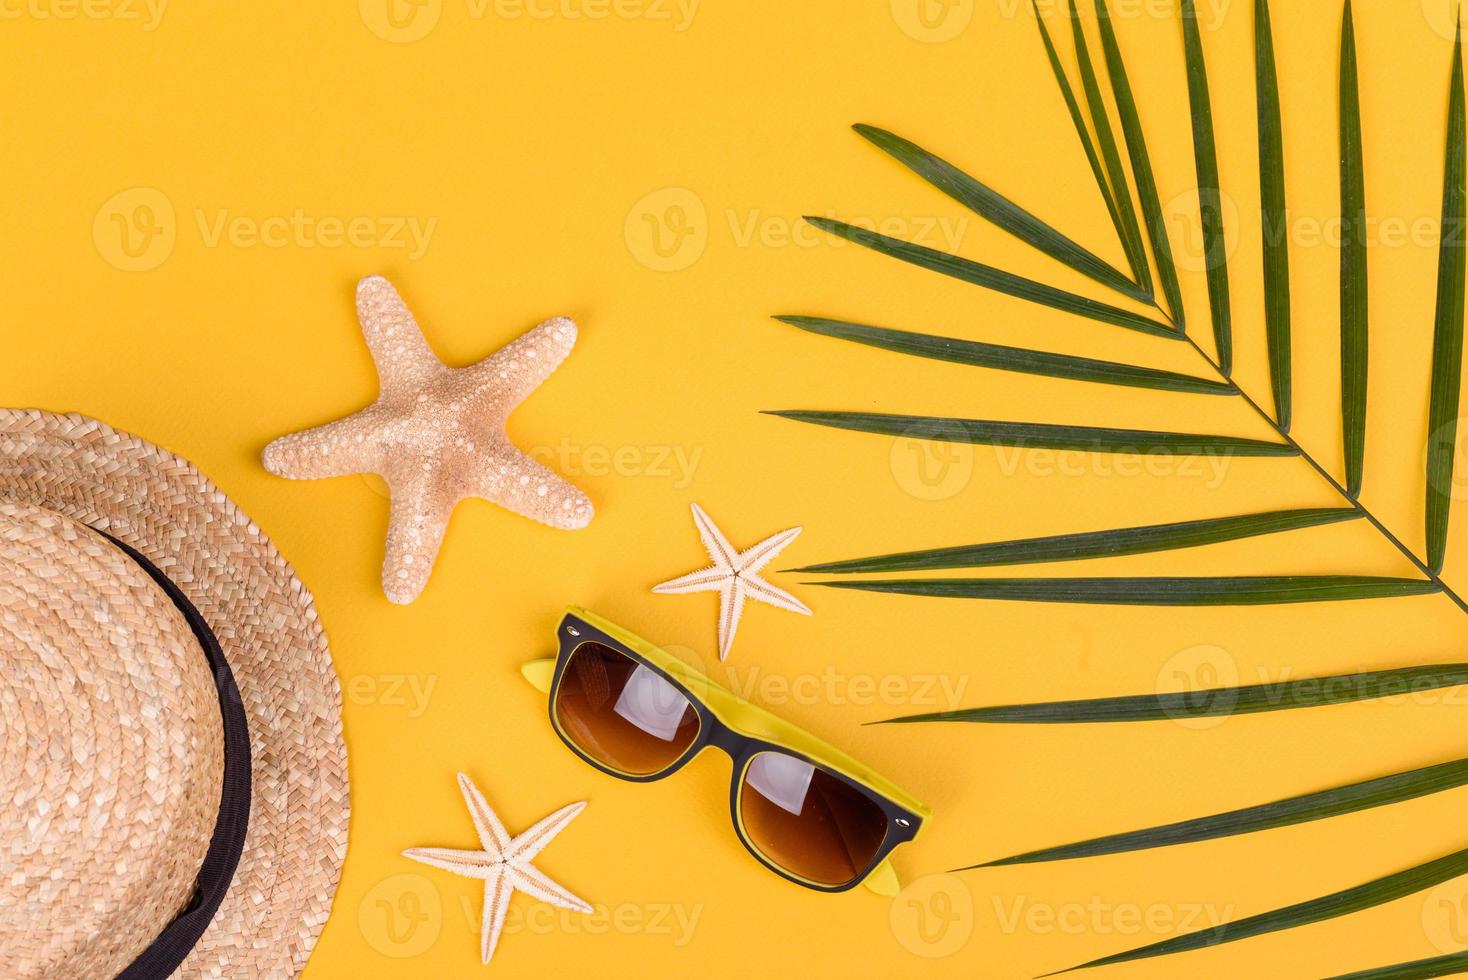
[[804, 809]]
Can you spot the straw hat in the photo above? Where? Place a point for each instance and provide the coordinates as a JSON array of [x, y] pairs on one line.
[[173, 782]]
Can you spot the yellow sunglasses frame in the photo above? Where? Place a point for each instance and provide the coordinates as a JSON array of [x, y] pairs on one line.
[[749, 720]]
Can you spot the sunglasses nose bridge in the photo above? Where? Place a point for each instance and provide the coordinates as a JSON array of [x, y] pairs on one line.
[[723, 738]]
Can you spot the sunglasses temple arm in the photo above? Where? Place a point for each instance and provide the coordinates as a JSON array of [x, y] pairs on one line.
[[883, 880], [540, 673]]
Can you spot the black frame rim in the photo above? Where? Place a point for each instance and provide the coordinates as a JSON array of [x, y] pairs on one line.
[[713, 732]]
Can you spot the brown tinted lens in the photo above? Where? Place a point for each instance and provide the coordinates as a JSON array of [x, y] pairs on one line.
[[810, 823], [621, 713]]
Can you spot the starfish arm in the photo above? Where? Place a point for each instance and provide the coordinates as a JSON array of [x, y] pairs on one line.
[[731, 607], [763, 591], [466, 864], [399, 350], [415, 529], [762, 554], [335, 449], [493, 836], [706, 580], [510, 374], [531, 842], [497, 892], [518, 483], [532, 881], [718, 546]]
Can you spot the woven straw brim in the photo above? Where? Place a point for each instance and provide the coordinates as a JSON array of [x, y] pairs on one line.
[[111, 759], [266, 624]]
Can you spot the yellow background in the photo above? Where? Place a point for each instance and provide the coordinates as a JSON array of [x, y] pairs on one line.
[[547, 150]]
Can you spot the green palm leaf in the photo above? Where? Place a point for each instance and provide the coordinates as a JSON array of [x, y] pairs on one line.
[[1131, 237], [1366, 896], [991, 278], [1104, 158], [1353, 265], [1252, 590], [1074, 108], [1311, 692], [1008, 358], [1040, 435], [1092, 544], [1270, 816], [1136, 144], [1437, 966], [1210, 202], [1447, 346], [1272, 212], [994, 207]]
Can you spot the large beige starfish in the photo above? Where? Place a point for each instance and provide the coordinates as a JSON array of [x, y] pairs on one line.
[[504, 863], [734, 576], [436, 434]]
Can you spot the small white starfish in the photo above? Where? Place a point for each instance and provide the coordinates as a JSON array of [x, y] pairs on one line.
[[734, 576], [504, 863]]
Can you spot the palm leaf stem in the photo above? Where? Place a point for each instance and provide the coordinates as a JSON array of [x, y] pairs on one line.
[[1335, 484], [1171, 319]]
